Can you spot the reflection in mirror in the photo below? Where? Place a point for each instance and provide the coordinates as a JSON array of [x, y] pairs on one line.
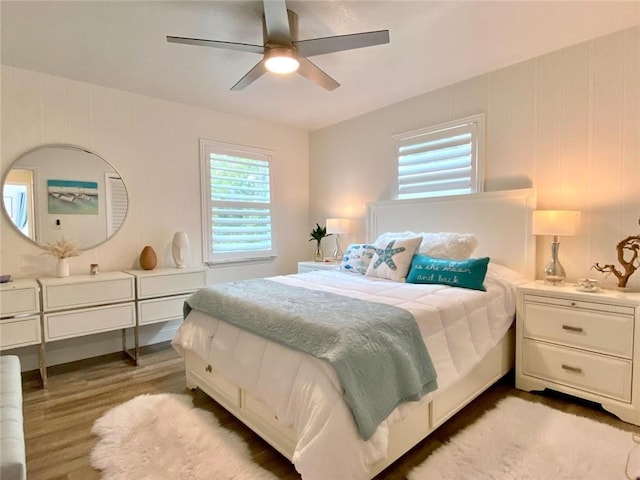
[[56, 191]]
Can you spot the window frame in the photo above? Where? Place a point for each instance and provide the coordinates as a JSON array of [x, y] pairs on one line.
[[208, 255], [477, 130]]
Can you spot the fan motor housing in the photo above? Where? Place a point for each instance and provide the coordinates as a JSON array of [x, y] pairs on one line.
[[293, 27]]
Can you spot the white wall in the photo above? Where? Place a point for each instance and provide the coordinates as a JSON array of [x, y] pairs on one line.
[[567, 123], [154, 145]]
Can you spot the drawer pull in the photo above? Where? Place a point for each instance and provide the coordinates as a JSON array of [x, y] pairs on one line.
[[574, 304], [569, 368], [572, 329], [208, 369]]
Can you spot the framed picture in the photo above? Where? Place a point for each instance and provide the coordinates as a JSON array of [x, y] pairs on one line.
[[72, 197]]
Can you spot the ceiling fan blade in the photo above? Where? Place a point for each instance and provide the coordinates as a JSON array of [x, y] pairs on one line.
[[243, 47], [316, 75], [320, 46], [252, 75], [276, 21]]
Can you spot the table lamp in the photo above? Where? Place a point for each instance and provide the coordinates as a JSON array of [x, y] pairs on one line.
[[337, 226], [555, 223]]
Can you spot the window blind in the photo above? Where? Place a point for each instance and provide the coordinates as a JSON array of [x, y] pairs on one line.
[[116, 203], [239, 204], [441, 160]]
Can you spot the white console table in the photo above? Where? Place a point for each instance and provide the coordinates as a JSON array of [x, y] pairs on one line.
[[52, 309], [20, 318], [84, 305], [19, 314], [160, 294]]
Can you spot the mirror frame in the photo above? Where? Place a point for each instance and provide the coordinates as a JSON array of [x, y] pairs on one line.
[[12, 165]]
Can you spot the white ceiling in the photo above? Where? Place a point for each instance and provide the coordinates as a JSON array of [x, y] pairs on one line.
[[122, 45]]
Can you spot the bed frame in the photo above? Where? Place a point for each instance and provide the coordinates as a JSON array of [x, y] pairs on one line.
[[502, 223]]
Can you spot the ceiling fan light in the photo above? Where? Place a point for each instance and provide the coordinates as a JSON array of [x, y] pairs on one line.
[[282, 61]]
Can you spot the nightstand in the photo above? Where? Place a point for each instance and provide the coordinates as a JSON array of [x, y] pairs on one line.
[[304, 267], [582, 344]]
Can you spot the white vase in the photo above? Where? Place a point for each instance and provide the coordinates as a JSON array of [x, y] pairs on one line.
[[62, 268], [180, 249]]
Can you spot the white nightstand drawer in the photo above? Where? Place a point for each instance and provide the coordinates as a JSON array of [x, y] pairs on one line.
[[600, 374], [19, 332], [86, 290], [605, 307], [160, 310], [19, 298], [171, 283], [589, 329], [89, 320]]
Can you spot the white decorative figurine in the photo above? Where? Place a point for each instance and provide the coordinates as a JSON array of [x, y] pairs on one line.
[[180, 249]]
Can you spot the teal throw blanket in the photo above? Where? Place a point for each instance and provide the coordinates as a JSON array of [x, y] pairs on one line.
[[376, 349]]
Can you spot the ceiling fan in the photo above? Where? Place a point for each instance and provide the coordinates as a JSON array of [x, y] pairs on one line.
[[282, 51]]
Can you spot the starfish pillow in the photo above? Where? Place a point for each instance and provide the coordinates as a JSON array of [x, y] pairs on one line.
[[392, 259]]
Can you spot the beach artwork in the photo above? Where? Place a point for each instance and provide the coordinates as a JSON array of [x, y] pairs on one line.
[[72, 197]]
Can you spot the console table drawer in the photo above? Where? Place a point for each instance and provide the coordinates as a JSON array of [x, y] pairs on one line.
[[600, 374], [161, 309], [58, 326], [19, 298], [86, 291], [168, 282], [19, 332]]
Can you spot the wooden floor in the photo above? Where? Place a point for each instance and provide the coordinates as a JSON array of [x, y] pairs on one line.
[[58, 420]]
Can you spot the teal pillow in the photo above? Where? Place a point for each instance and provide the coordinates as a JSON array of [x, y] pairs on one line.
[[467, 273]]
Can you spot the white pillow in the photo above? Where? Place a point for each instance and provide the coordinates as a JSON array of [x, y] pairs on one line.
[[388, 236], [357, 258], [454, 246], [392, 259]]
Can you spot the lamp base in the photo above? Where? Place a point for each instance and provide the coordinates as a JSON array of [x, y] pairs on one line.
[[337, 253], [554, 272], [553, 280]]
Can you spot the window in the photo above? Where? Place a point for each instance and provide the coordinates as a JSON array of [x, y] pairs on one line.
[[236, 202], [117, 202], [446, 159]]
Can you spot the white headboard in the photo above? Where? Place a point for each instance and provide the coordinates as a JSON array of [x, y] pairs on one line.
[[500, 220]]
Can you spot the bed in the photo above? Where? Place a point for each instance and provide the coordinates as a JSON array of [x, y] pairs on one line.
[[295, 401]]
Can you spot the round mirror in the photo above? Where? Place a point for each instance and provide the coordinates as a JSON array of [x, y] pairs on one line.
[[56, 191]]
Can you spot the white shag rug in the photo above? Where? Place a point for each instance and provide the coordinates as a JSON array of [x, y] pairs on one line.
[[164, 437], [521, 440]]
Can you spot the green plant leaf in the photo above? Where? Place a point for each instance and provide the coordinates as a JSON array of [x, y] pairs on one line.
[[319, 233]]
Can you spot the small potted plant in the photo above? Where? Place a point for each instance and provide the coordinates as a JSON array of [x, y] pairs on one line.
[[62, 249], [318, 234]]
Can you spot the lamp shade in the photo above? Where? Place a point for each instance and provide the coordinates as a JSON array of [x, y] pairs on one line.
[[337, 225], [555, 222]]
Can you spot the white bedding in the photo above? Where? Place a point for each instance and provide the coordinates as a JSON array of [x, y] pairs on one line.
[[459, 328]]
